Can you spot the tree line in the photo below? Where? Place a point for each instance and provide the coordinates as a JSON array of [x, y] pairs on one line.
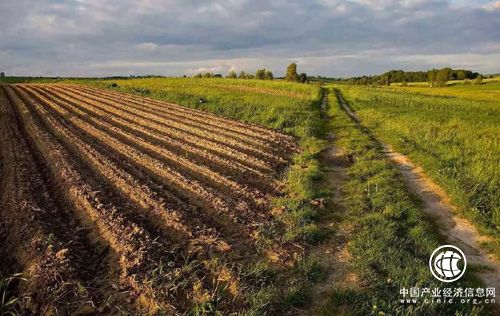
[[435, 77], [261, 74]]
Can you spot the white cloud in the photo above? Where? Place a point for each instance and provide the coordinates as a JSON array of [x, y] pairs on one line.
[[327, 37], [148, 46]]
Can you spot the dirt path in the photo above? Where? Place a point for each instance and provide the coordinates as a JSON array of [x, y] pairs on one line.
[[436, 203], [333, 254]]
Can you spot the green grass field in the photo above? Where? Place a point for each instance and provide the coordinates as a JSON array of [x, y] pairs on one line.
[[391, 237], [489, 91], [452, 132]]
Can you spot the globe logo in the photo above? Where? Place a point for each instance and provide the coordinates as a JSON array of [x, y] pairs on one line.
[[447, 263]]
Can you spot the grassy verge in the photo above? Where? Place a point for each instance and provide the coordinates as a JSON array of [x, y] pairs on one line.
[[391, 241], [455, 140]]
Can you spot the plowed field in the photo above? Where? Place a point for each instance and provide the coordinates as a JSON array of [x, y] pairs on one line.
[[112, 202]]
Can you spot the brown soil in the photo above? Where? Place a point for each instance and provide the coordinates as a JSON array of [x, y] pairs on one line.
[[113, 203]]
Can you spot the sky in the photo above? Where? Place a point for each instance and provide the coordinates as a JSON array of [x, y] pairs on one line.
[[324, 37]]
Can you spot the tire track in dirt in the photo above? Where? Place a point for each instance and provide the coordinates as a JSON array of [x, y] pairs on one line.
[[437, 204], [333, 254]]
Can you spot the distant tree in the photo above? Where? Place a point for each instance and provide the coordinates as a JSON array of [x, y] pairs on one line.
[[466, 81], [218, 76], [479, 80], [303, 78], [198, 75], [232, 74], [249, 76], [404, 83], [431, 77], [268, 75], [442, 77], [242, 75], [291, 72], [470, 75], [208, 75], [460, 75], [2, 74], [260, 74], [386, 80]]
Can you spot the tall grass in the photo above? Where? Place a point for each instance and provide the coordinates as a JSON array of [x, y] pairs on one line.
[[8, 301], [391, 238], [455, 140]]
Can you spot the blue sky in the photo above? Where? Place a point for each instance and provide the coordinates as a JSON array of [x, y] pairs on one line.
[[325, 37]]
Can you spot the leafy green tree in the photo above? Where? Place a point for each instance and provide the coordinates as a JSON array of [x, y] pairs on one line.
[[479, 80], [242, 75], [198, 75], [260, 74], [431, 77], [461, 75], [291, 72], [442, 77], [268, 75], [208, 75], [2, 74], [385, 80], [303, 78], [232, 74]]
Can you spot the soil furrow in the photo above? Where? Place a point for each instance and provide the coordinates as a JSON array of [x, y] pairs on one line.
[[154, 117], [190, 122], [28, 214], [69, 262], [157, 288], [131, 208], [187, 167], [165, 208], [204, 143], [183, 186], [131, 246], [231, 168], [167, 218], [221, 122]]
